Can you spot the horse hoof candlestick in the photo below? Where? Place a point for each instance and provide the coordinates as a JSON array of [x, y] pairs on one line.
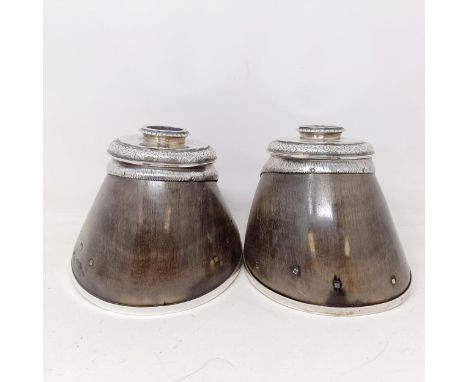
[[158, 238], [320, 237]]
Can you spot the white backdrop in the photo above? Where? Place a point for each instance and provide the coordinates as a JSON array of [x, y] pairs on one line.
[[237, 74]]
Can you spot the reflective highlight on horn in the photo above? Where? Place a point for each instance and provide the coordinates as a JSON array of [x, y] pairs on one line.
[[320, 214], [159, 237]]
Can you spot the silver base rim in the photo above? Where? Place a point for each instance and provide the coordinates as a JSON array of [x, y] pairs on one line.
[[155, 310], [327, 310]]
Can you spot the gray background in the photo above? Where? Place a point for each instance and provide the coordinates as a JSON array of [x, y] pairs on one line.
[[237, 74]]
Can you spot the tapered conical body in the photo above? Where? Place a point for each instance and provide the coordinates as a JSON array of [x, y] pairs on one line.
[[156, 236], [323, 240]]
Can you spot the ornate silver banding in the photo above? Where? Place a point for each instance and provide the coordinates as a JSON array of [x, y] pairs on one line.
[[319, 149], [320, 129], [322, 132], [180, 157], [164, 131], [165, 136], [192, 174], [294, 166], [162, 153]]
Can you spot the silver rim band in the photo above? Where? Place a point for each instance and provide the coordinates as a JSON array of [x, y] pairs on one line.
[[327, 166], [156, 310], [327, 310], [191, 174]]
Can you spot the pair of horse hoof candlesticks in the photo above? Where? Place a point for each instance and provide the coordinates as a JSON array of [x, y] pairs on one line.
[[320, 238]]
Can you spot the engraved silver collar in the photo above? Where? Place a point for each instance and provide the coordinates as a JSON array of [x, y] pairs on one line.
[[319, 149], [162, 153]]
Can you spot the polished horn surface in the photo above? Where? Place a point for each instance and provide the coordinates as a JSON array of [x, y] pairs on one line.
[[320, 236], [158, 234]]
